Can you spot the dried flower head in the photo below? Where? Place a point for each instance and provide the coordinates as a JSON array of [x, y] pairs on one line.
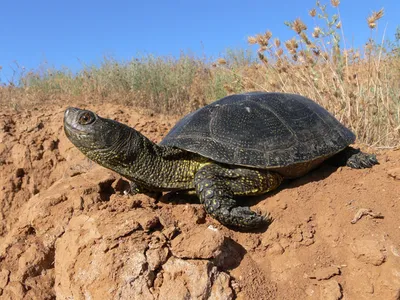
[[316, 52], [261, 40], [221, 61], [282, 66], [268, 35], [339, 25], [277, 42], [309, 59], [262, 57], [375, 16], [305, 56], [313, 12], [298, 26], [292, 45], [262, 48], [279, 52], [335, 3], [304, 37], [252, 40], [316, 32], [346, 54]]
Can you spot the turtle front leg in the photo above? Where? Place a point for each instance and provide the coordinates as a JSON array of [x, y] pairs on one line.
[[216, 187]]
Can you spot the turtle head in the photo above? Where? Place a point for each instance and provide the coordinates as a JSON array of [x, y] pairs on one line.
[[97, 137], [86, 130]]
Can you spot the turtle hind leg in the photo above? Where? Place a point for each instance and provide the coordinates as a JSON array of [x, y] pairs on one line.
[[362, 160], [216, 187], [354, 158]]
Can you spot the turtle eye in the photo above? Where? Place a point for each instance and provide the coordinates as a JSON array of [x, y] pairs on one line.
[[86, 118]]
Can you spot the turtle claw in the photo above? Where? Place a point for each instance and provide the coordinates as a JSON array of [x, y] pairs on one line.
[[244, 217], [362, 160]]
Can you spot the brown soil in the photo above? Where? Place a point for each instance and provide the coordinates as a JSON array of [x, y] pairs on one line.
[[67, 230]]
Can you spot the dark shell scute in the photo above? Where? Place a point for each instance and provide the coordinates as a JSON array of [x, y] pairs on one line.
[[264, 130]]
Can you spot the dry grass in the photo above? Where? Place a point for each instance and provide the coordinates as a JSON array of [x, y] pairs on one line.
[[361, 87], [160, 84]]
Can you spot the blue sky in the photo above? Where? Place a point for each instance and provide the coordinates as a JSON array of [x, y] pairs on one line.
[[69, 33]]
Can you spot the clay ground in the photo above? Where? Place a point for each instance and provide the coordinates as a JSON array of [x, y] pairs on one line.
[[67, 230]]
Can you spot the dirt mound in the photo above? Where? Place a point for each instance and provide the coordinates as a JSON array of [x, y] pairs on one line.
[[68, 231]]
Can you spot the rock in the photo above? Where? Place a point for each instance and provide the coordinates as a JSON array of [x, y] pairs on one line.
[[284, 242], [308, 242], [388, 284], [330, 290], [362, 286], [170, 232], [35, 259], [19, 156], [221, 289], [156, 257], [325, 273], [199, 242], [369, 251], [395, 250], [13, 291], [394, 173], [95, 247], [40, 287], [197, 213], [297, 237], [275, 249], [4, 278], [50, 145], [192, 279], [3, 148], [310, 291]]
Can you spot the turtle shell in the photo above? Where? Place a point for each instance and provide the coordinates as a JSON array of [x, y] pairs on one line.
[[261, 130]]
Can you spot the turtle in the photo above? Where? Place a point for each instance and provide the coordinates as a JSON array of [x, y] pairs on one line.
[[241, 145]]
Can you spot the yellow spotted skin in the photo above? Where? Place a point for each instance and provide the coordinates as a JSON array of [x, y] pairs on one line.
[[154, 168], [167, 169]]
